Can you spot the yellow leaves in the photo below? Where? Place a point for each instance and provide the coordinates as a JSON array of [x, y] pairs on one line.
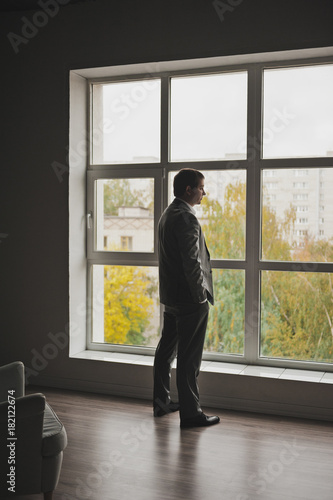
[[224, 222], [127, 303], [297, 315]]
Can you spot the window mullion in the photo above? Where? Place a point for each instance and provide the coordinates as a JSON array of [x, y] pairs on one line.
[[165, 139], [252, 290], [90, 216], [165, 106]]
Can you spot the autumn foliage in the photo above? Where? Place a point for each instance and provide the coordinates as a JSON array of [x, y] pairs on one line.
[[128, 304], [296, 306]]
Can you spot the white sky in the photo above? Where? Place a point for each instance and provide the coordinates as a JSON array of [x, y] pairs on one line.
[[208, 116], [305, 97]]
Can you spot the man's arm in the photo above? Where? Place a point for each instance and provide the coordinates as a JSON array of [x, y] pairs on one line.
[[188, 237]]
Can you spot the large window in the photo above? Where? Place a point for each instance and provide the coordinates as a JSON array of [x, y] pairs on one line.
[[126, 122], [263, 137], [208, 117]]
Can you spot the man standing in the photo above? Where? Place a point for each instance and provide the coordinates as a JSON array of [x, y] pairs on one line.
[[185, 288]]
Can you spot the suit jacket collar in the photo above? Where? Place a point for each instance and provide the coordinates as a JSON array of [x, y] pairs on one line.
[[179, 201]]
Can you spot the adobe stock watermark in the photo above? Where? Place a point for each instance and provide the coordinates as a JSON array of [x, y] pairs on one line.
[[77, 155], [30, 27], [223, 8], [130, 442], [121, 109], [59, 341], [3, 236], [252, 320], [280, 120], [40, 359], [309, 267], [252, 146], [265, 476]]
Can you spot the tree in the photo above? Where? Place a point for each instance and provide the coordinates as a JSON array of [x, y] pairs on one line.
[[129, 291], [225, 330], [297, 310], [120, 193], [296, 306], [224, 229], [128, 304]]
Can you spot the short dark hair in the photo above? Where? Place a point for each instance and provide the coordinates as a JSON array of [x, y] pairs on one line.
[[186, 177]]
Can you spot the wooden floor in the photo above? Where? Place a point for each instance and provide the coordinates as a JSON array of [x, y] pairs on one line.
[[118, 451]]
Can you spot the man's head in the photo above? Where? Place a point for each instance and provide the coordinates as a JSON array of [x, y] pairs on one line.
[[188, 184]]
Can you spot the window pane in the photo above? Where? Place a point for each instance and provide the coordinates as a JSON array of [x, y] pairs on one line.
[[126, 122], [209, 117], [225, 330], [222, 212], [297, 315], [125, 307], [298, 112], [297, 215], [125, 215]]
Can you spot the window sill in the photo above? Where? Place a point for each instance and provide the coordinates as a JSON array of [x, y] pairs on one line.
[[216, 367]]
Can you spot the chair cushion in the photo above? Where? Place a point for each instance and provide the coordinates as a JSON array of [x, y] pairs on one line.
[[54, 433]]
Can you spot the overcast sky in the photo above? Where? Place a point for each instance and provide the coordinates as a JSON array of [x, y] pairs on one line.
[[208, 116]]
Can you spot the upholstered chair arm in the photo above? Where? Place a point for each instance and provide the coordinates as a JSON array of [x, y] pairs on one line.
[[12, 378], [29, 406], [23, 443]]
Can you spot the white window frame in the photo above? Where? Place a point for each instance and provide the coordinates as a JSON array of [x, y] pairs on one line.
[[254, 164]]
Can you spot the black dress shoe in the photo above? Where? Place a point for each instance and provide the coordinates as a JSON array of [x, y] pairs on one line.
[[201, 420], [163, 409]]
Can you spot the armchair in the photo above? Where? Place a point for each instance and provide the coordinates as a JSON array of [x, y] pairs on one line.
[[32, 438]]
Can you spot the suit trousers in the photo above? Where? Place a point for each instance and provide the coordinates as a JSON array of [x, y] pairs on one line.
[[183, 335]]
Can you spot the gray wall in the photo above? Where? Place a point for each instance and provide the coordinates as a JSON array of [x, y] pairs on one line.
[[34, 119]]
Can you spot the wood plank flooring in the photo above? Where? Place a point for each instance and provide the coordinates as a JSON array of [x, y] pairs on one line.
[[118, 451]]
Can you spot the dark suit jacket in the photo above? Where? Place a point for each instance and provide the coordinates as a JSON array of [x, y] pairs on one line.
[[184, 263]]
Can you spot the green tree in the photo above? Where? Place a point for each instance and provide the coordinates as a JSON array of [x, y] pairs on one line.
[[297, 311], [276, 234], [225, 330], [118, 193], [224, 228], [296, 306]]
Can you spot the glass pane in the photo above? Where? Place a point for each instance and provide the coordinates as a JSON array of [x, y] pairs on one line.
[[297, 215], [225, 330], [298, 112], [125, 215], [209, 117], [222, 212], [297, 315], [126, 122], [125, 307]]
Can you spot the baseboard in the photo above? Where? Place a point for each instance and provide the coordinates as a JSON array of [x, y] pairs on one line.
[[267, 407], [262, 406]]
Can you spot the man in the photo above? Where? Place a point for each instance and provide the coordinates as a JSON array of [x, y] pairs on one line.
[[185, 288]]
